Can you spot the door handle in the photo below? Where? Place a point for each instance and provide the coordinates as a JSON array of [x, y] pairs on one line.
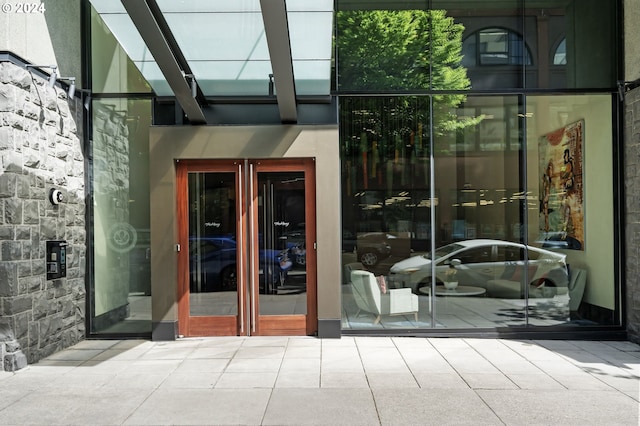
[[252, 248], [240, 268]]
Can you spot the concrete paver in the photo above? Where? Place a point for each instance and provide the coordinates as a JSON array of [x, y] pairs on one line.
[[309, 381]]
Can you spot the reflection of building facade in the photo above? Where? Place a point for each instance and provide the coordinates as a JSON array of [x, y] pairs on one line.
[[223, 176]]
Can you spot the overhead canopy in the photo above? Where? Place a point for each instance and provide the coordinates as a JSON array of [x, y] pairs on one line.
[[227, 48]]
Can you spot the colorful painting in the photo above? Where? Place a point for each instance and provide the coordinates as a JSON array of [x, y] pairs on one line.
[[561, 187]]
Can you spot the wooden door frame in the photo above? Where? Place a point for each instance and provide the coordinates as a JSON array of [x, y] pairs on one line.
[[278, 325], [235, 325]]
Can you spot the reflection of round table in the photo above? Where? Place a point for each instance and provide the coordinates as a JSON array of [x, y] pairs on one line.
[[461, 290]]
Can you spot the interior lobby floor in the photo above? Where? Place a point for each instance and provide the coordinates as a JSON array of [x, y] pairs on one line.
[[311, 381]]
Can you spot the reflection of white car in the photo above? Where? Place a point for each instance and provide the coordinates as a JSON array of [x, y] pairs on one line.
[[491, 264]]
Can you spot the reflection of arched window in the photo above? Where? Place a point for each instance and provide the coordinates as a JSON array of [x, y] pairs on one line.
[[560, 54], [495, 46]]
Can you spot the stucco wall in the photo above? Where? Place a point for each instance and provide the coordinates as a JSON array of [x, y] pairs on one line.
[[44, 33], [632, 40], [166, 144]]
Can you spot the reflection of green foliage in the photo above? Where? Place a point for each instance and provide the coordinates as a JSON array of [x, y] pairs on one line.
[[400, 50], [380, 51]]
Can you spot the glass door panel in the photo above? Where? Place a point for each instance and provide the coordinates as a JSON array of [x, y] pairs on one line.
[[247, 225], [282, 241], [213, 270]]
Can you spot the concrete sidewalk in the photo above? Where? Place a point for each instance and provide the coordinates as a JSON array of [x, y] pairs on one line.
[[348, 381]]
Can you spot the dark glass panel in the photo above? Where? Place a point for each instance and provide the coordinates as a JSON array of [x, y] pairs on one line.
[[386, 194], [573, 43], [494, 49]]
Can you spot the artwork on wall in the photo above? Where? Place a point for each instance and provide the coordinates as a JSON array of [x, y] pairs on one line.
[[561, 188]]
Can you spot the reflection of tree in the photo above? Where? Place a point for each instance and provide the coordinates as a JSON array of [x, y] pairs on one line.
[[399, 51]]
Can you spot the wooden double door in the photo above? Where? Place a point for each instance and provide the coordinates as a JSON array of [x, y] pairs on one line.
[[247, 251]]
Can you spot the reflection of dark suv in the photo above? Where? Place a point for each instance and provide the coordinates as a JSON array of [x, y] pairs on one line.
[[212, 263], [348, 241], [373, 247]]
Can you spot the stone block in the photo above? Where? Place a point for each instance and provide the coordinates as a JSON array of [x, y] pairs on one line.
[[13, 211], [28, 251], [8, 185], [33, 283], [22, 233], [18, 304], [42, 307], [8, 279], [48, 228], [7, 97], [14, 361], [23, 187], [38, 193], [21, 324], [10, 250], [6, 139], [7, 232], [24, 269], [31, 212], [30, 111]]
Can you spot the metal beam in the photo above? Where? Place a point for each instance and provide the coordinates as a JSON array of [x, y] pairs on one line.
[[142, 17], [276, 26]]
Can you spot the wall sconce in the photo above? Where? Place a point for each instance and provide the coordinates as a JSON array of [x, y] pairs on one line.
[[191, 79], [52, 77], [271, 85], [72, 85]]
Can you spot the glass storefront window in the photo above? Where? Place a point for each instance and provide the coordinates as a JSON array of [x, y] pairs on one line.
[[481, 46], [511, 182], [500, 186], [120, 296], [573, 44]]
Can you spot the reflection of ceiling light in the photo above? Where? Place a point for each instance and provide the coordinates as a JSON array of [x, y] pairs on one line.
[[292, 180], [371, 207], [526, 115]]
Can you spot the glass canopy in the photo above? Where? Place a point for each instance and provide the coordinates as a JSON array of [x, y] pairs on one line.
[[225, 44]]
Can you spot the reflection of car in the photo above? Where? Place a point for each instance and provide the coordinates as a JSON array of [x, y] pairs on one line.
[[294, 241], [373, 247], [482, 263], [298, 254], [348, 241], [558, 240], [213, 259]]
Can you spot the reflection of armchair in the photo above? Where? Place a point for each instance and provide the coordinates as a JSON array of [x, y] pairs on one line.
[[351, 267], [577, 283], [370, 298]]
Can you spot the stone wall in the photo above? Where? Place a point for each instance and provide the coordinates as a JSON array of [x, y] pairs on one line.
[[632, 191], [40, 149]]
